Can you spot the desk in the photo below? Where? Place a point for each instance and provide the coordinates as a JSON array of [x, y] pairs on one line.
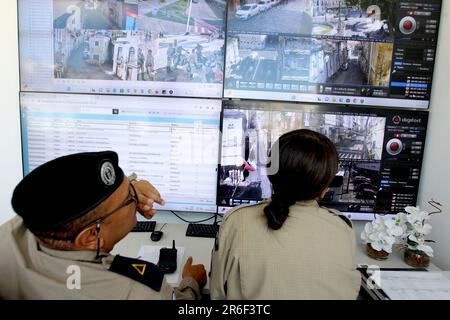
[[395, 259], [200, 249]]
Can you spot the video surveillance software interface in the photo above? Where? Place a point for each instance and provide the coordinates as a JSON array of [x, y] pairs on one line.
[[378, 53], [168, 48], [171, 142], [380, 154]]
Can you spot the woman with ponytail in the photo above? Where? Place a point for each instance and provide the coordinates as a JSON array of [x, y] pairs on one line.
[[288, 247]]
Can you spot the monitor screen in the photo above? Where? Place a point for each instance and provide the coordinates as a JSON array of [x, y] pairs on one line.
[[380, 154], [374, 53], [165, 48], [171, 142]]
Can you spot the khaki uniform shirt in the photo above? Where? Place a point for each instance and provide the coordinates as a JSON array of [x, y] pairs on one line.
[[29, 270], [310, 257]]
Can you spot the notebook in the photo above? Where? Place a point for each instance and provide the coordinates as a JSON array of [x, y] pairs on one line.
[[405, 284]]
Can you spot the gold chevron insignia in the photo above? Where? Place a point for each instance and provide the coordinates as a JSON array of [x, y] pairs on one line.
[[140, 268]]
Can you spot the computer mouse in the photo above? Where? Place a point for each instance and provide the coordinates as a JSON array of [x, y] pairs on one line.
[[156, 235]]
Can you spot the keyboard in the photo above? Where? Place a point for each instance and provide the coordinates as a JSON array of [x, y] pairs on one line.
[[144, 226], [202, 230]]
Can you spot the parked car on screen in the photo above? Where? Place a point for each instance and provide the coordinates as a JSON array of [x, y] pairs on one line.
[[264, 5], [273, 3], [247, 11]]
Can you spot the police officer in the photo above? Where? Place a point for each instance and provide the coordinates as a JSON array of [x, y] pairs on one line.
[[289, 247], [141, 60], [149, 65], [71, 213], [170, 57]]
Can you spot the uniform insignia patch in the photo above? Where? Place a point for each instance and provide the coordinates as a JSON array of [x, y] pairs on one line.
[[107, 173], [140, 268], [142, 271]]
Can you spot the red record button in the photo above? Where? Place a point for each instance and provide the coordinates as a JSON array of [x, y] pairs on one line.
[[394, 146], [408, 25]]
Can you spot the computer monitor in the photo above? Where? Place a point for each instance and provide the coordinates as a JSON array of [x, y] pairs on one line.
[[374, 53], [172, 48], [171, 142], [380, 154]]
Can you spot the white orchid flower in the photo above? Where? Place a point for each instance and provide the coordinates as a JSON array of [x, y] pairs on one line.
[[425, 248], [374, 237], [413, 238], [416, 215], [414, 218], [384, 237], [363, 236], [393, 228], [378, 246], [382, 233], [400, 218], [378, 223], [424, 229], [412, 210], [368, 228]]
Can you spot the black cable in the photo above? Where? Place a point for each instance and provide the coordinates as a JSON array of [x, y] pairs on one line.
[[187, 221], [163, 226], [435, 205]]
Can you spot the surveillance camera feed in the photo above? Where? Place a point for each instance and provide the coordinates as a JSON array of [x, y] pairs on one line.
[[156, 47], [374, 52], [379, 152]]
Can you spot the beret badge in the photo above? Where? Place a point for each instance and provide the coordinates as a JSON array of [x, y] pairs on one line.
[[107, 173]]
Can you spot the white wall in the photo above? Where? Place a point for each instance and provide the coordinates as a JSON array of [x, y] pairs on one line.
[[10, 148], [435, 179]]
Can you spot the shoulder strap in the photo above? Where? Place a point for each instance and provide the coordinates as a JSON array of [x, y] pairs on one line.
[[346, 220], [340, 215], [144, 272]]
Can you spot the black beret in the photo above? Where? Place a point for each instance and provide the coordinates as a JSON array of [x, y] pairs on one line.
[[66, 188]]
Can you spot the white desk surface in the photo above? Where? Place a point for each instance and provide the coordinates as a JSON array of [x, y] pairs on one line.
[[200, 249]]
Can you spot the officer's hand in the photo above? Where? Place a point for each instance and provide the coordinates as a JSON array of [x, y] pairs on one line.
[[196, 271], [147, 195]]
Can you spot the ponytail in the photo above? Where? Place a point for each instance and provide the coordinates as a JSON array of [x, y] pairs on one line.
[[277, 210], [308, 162]]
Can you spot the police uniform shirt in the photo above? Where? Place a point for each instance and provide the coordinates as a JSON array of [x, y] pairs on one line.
[[310, 257], [33, 271]]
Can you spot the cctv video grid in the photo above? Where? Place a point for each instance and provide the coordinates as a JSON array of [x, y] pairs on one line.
[[335, 52], [340, 54], [378, 53]]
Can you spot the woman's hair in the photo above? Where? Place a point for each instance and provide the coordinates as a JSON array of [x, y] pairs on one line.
[[308, 162]]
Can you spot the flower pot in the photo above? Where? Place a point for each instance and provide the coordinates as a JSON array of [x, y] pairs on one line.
[[416, 258], [377, 255]]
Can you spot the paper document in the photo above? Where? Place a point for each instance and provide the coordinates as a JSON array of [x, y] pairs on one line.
[[151, 254], [415, 285]]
